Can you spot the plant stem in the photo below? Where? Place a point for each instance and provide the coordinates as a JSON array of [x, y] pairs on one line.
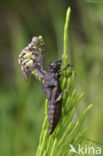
[[66, 33]]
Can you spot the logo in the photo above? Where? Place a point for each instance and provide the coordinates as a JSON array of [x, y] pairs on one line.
[[86, 149]]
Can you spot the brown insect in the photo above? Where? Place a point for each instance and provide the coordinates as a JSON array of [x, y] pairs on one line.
[[51, 88]]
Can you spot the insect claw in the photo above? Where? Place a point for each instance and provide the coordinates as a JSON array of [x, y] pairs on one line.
[[61, 94], [62, 69], [25, 76], [61, 61]]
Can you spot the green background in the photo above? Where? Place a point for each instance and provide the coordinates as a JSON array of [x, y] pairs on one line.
[[21, 102]]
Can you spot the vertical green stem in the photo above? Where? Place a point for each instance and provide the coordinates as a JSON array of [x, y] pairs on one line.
[[66, 33]]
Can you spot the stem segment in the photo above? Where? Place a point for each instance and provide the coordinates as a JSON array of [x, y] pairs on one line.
[[66, 33]]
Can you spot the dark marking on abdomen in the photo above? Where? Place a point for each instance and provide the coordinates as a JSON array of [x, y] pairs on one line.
[[54, 113]]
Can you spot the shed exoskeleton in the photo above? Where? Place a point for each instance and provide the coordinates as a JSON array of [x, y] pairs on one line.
[[51, 88]]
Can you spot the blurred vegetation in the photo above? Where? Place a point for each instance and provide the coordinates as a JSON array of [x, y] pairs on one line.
[[22, 103]]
